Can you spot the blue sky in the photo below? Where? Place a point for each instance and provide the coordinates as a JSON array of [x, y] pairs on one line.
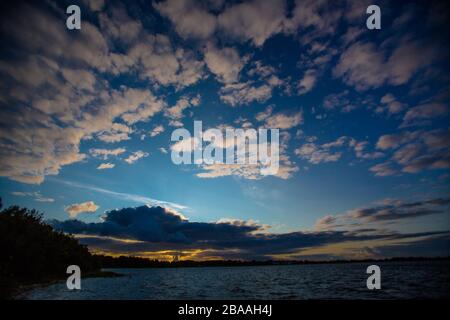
[[87, 117]]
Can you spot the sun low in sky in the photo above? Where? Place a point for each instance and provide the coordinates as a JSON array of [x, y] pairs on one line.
[[87, 116]]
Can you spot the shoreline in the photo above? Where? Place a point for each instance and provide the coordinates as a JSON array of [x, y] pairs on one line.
[[125, 262]]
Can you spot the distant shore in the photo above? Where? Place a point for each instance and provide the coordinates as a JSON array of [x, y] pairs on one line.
[[136, 262]]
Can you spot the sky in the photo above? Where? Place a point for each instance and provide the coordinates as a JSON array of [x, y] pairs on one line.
[[363, 115]]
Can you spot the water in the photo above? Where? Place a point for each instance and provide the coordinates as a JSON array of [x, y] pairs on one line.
[[399, 280]]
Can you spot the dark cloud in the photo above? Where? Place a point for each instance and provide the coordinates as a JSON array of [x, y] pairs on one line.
[[397, 210], [153, 229], [415, 151], [156, 224]]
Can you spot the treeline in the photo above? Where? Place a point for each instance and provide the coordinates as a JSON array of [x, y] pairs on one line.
[[138, 262], [32, 251]]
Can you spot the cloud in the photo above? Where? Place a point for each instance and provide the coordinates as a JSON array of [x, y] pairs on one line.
[[316, 153], [135, 156], [383, 169], [118, 132], [307, 82], [152, 229], [391, 141], [261, 82], [119, 26], [155, 58], [156, 131], [325, 223], [128, 196], [190, 19], [253, 20], [283, 120], [415, 151], [75, 209], [318, 16], [147, 105], [59, 98], [390, 104], [365, 66], [175, 113], [427, 111], [398, 210], [245, 93], [36, 195], [225, 63], [106, 153], [338, 101], [387, 211], [360, 148], [95, 5], [107, 165], [286, 167], [263, 115]]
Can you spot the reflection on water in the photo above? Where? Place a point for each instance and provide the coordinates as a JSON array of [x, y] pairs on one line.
[[399, 280]]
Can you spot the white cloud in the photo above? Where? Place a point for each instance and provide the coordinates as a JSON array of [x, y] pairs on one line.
[[364, 66], [36, 195], [106, 165], [286, 169], [75, 209], [190, 19], [156, 130], [390, 141], [119, 26], [154, 58], [339, 101], [253, 20], [424, 112], [118, 132], [327, 152], [263, 115], [106, 153], [414, 152], [319, 16], [225, 63], [127, 196], [284, 121], [390, 104], [307, 82], [245, 93], [383, 169], [176, 112], [61, 106], [135, 156], [316, 154], [95, 5], [262, 81]]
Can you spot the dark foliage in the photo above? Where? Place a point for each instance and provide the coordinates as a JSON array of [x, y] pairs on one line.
[[32, 251]]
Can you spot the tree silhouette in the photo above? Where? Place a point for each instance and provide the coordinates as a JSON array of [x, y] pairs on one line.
[[33, 251]]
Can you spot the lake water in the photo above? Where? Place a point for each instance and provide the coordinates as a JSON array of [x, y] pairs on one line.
[[399, 280]]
